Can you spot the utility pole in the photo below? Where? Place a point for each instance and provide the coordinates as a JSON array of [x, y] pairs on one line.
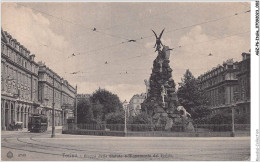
[[232, 109], [76, 107], [53, 111], [125, 108], [233, 121]]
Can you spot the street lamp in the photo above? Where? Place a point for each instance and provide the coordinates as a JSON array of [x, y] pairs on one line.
[[233, 120], [53, 111], [125, 108], [233, 106]]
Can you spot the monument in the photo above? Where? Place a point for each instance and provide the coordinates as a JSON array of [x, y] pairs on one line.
[[161, 102]]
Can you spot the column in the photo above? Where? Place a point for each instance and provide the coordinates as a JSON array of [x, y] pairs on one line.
[[60, 115], [63, 117], [17, 112], [9, 113], [4, 76], [15, 104], [3, 115], [25, 117], [20, 113]]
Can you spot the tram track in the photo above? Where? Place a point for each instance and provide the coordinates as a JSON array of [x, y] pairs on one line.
[[17, 146], [90, 149], [23, 146]]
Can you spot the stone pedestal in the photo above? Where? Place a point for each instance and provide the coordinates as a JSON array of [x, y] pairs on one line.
[[162, 102]]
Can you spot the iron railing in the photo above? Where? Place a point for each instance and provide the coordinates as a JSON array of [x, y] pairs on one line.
[[152, 127]]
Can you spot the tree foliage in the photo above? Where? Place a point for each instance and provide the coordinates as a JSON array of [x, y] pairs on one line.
[[110, 101], [95, 109], [115, 118], [142, 118], [192, 97], [85, 112]]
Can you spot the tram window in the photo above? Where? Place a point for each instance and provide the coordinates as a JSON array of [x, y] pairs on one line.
[[44, 120], [36, 120]]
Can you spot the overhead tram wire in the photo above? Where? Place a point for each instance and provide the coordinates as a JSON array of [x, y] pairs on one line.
[[64, 20], [95, 50], [186, 45], [176, 46], [136, 39], [160, 14], [201, 23], [125, 38], [195, 43], [71, 22]]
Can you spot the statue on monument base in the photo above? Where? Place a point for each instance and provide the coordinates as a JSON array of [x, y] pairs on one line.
[[161, 102]]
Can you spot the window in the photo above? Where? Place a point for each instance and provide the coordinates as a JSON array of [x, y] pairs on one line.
[[230, 66], [22, 62]]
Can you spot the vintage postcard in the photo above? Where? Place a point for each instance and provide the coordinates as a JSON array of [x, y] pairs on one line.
[[130, 81]]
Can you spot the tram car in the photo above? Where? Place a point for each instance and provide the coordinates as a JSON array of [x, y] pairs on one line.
[[38, 123]]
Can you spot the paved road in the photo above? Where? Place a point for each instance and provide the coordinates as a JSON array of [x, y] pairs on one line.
[[39, 146]]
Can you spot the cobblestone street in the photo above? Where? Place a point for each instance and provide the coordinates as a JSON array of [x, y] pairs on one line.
[[34, 146]]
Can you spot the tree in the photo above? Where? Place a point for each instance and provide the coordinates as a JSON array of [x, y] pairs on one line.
[[97, 109], [192, 97], [142, 118], [85, 112], [109, 101], [115, 118]]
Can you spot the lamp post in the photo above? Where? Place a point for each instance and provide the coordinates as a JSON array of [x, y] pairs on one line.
[[76, 107], [233, 120], [125, 108], [63, 109], [233, 106], [53, 111]]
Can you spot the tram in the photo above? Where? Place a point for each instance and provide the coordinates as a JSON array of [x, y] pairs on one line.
[[38, 123]]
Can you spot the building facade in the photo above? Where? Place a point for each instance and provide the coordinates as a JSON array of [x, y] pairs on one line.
[[135, 104], [54, 89], [29, 88], [243, 93], [228, 85], [19, 82]]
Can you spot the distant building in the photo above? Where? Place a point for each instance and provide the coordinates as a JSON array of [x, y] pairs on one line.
[[19, 82], [83, 96], [135, 104], [228, 84], [51, 84], [243, 76]]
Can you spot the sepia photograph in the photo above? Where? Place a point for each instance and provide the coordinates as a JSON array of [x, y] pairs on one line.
[[127, 81]]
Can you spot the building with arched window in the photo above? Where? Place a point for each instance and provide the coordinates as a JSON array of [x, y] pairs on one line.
[[55, 89], [19, 82], [27, 87]]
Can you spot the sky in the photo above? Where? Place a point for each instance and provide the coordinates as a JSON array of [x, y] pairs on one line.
[[105, 59]]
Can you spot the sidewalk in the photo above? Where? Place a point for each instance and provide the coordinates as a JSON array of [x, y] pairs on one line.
[[26, 130], [56, 127]]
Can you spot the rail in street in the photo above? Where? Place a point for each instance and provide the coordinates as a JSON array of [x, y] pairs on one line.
[[40, 146]]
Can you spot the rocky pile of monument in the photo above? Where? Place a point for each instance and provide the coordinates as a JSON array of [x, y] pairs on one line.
[[162, 102]]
